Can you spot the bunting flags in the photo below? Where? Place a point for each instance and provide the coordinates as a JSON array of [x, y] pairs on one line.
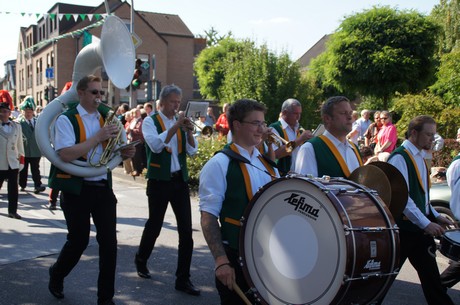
[[67, 16]]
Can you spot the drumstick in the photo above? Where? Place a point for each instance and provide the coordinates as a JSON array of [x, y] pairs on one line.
[[241, 294]]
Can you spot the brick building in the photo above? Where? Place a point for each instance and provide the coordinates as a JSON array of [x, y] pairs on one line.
[[167, 51]]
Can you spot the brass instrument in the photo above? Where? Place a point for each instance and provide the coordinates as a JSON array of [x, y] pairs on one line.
[[205, 131], [277, 140], [111, 148]]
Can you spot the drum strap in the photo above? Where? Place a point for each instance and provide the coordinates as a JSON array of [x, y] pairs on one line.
[[419, 177], [236, 156]]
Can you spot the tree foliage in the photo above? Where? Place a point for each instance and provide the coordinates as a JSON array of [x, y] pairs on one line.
[[447, 85], [447, 15], [234, 69], [379, 52], [213, 38]]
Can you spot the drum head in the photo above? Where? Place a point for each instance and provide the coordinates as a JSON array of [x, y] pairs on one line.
[[293, 244], [453, 236]]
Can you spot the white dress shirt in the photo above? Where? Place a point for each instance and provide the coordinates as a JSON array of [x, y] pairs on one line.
[[213, 181], [65, 135], [156, 142], [292, 135], [453, 180], [412, 212], [306, 159]]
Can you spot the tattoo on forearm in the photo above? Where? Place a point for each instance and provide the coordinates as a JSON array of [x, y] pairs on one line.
[[212, 235]]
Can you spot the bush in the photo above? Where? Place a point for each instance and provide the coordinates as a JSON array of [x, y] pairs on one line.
[[206, 149], [447, 153]]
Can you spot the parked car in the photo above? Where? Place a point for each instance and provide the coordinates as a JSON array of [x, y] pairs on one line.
[[440, 198]]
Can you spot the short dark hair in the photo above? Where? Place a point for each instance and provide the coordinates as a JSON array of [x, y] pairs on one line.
[[418, 122], [328, 105], [83, 83], [169, 89], [240, 109]]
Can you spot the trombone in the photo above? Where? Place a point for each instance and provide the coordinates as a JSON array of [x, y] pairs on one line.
[[205, 131]]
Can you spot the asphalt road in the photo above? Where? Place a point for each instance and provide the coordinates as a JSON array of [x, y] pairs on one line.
[[29, 246]]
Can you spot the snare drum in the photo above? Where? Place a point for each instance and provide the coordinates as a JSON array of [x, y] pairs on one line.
[[309, 241], [450, 244]]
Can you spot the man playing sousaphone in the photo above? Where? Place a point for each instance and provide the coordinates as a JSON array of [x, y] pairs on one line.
[[228, 181], [79, 131], [289, 129], [331, 154]]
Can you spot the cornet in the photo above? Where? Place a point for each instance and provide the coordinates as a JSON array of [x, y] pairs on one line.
[[274, 138]]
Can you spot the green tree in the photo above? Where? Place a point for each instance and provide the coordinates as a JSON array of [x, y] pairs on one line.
[[233, 70], [380, 52], [447, 85], [447, 15], [213, 37]]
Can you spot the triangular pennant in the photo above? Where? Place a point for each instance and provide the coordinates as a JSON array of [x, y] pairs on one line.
[[98, 16], [37, 15], [52, 16], [90, 17], [82, 16], [22, 14], [30, 14], [75, 17], [60, 16]]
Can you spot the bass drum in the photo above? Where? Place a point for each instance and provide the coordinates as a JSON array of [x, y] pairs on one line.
[[312, 241]]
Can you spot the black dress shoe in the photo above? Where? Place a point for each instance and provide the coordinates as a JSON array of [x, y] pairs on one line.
[[55, 286], [141, 267], [187, 287], [106, 302], [14, 215], [39, 189]]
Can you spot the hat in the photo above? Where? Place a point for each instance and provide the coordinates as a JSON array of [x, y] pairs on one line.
[[5, 97], [28, 103]]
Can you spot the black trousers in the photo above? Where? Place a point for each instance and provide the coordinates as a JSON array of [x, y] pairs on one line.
[[12, 176], [451, 275], [159, 194], [35, 170], [420, 249], [227, 296], [138, 159], [100, 204]]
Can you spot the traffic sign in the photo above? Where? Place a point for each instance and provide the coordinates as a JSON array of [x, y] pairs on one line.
[[49, 72], [136, 40]]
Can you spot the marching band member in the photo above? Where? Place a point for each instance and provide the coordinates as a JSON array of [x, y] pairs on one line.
[[169, 140], [226, 187], [78, 132], [420, 223], [331, 154], [12, 149], [288, 128]]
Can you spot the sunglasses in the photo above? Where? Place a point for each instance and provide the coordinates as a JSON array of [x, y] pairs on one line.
[[96, 92]]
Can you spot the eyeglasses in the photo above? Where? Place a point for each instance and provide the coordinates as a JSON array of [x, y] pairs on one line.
[[384, 118], [95, 92], [256, 123]]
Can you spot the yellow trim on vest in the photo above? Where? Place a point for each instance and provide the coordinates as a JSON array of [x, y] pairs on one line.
[[358, 156], [232, 221], [336, 154], [244, 170], [81, 126], [418, 172], [179, 135], [268, 167], [101, 124], [155, 165]]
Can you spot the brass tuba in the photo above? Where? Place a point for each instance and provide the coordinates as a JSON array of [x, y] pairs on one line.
[[115, 52]]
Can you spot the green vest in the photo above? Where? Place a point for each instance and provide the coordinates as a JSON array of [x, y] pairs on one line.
[[325, 160], [283, 164], [416, 192], [159, 164], [28, 136], [235, 203], [60, 180]]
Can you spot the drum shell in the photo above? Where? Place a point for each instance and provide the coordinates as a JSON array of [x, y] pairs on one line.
[[359, 208], [450, 247]]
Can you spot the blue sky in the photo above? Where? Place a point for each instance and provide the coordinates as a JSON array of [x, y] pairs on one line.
[[291, 25]]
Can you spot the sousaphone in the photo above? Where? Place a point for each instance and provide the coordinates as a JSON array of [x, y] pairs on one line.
[[115, 52]]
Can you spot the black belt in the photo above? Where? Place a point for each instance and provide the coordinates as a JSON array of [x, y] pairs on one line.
[[99, 183]]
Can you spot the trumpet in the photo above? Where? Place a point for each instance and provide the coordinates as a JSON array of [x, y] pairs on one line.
[[205, 131], [274, 138], [111, 146]]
